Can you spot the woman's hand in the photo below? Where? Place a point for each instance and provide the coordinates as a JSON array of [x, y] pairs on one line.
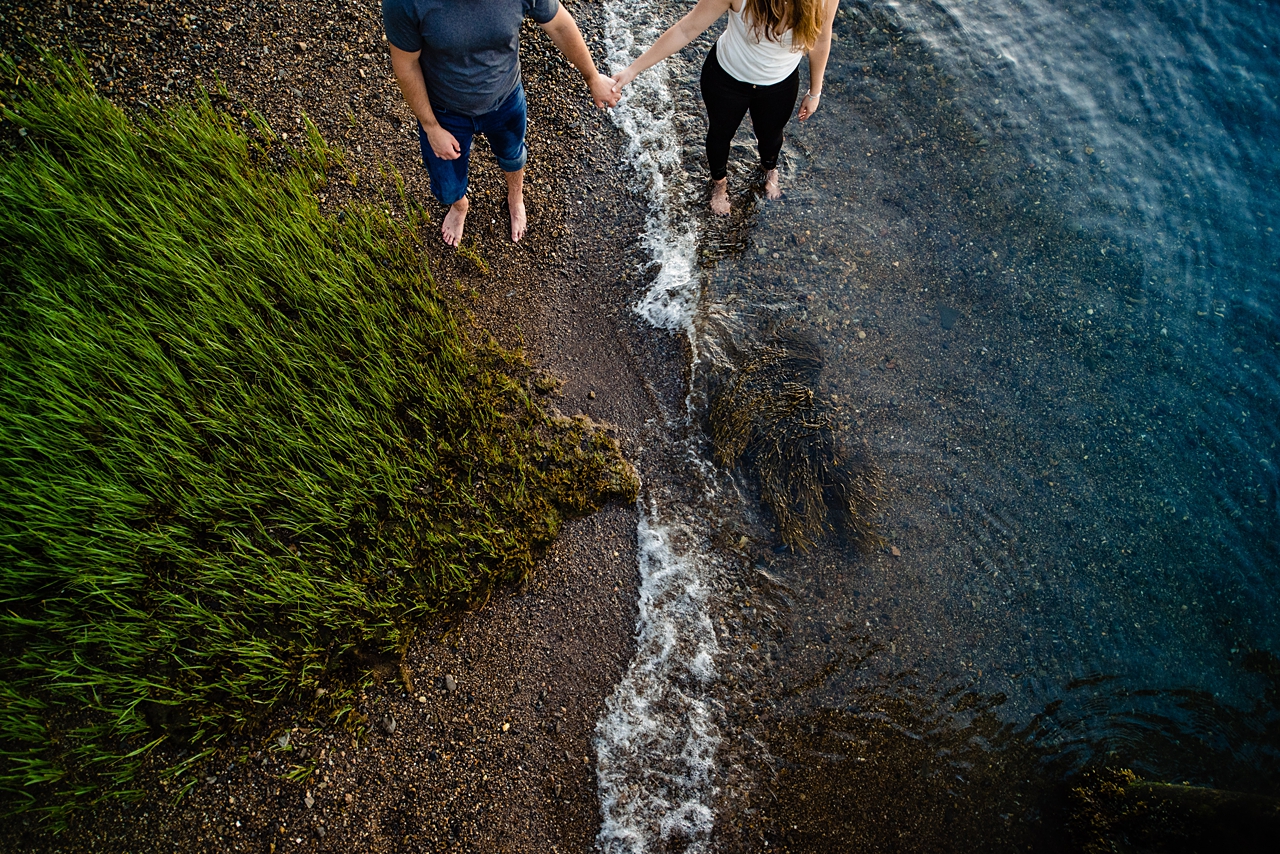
[[818, 61], [688, 28], [622, 78], [809, 105]]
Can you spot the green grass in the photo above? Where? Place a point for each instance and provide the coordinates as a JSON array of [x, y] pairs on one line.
[[242, 444]]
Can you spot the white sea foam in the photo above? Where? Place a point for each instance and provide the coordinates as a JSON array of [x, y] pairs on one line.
[[647, 116], [656, 743], [657, 740]]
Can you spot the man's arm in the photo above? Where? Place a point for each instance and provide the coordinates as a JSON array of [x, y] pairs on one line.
[[414, 87], [566, 36]]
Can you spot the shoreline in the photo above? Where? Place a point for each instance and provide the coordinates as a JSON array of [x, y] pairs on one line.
[[492, 750]]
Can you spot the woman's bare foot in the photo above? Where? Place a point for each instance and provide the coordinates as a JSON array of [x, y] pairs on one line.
[[772, 189], [720, 197], [454, 221]]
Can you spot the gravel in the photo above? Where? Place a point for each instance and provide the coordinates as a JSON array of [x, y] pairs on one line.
[[490, 749]]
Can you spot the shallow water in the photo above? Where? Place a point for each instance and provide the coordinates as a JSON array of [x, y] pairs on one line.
[[1036, 242]]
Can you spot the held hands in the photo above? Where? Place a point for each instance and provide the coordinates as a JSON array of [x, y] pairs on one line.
[[622, 78], [443, 143], [809, 105], [603, 91]]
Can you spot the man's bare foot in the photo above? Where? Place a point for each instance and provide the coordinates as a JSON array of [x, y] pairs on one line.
[[519, 222], [772, 189], [515, 201], [454, 221], [720, 197]]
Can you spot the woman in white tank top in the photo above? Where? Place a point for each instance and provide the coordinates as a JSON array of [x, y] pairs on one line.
[[754, 66]]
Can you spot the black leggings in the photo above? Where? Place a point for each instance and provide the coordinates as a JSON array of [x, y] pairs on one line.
[[728, 100]]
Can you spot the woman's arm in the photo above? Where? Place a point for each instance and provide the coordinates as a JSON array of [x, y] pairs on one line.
[[818, 62], [688, 28]]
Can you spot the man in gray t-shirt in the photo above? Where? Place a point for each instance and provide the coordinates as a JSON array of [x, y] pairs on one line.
[[458, 65]]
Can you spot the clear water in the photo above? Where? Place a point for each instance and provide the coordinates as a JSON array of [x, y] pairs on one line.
[[1037, 243]]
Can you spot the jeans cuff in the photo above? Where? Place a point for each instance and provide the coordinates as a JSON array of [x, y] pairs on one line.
[[440, 197], [517, 164]]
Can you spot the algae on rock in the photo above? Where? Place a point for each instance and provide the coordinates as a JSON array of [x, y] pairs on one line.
[[765, 413], [1115, 810]]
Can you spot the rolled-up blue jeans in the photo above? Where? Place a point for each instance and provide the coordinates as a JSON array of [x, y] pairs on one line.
[[503, 126]]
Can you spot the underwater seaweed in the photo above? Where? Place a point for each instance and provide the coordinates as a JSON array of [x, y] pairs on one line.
[[766, 415]]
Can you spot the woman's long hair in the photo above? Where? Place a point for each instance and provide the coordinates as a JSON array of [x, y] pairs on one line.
[[769, 19]]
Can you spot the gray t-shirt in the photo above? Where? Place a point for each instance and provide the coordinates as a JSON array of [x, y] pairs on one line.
[[470, 48]]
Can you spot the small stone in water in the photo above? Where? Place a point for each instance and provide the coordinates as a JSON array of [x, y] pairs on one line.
[[861, 334], [450, 684], [947, 316]]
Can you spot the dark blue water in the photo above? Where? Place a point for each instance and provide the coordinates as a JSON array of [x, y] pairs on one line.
[[1037, 243]]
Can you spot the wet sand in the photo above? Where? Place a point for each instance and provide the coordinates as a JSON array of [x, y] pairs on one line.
[[491, 750]]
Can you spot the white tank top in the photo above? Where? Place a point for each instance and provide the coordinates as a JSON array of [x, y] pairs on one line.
[[753, 60]]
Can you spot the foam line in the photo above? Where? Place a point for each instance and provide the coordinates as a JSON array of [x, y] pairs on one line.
[[657, 740], [646, 116]]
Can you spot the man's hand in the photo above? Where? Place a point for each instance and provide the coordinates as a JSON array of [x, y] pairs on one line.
[[409, 75], [603, 92], [443, 143], [566, 36]]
